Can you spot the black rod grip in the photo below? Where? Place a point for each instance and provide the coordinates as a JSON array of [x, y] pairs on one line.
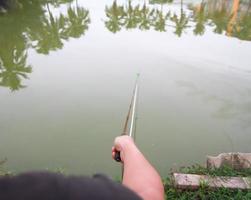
[[117, 156]]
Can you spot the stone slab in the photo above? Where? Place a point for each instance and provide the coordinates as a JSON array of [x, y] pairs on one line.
[[193, 181]]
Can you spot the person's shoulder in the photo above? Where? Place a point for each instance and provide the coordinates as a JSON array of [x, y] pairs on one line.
[[103, 187], [46, 185]]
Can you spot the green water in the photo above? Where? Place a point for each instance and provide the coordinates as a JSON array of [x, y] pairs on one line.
[[67, 70]]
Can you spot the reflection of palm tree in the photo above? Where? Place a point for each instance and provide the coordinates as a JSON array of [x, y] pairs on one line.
[[220, 20], [56, 29], [33, 27], [242, 29], [132, 17], [217, 13], [115, 15], [13, 37], [77, 22], [12, 71], [200, 19], [180, 21], [146, 16], [232, 17], [50, 37], [160, 21]]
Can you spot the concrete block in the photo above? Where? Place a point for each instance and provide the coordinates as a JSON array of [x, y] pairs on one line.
[[193, 181]]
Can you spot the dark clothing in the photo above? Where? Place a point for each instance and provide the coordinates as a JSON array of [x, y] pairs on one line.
[[50, 186]]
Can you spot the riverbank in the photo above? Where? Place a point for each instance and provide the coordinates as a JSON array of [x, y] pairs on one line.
[[203, 192]]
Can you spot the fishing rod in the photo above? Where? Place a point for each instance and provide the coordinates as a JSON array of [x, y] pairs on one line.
[[131, 113]]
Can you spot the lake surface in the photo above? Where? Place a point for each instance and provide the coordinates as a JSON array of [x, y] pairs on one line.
[[67, 72]]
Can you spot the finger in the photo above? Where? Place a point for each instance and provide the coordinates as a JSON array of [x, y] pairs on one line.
[[117, 144], [113, 152]]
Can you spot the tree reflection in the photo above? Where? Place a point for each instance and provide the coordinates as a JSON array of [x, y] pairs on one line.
[[77, 23], [137, 16], [13, 68], [115, 15], [132, 16], [232, 17], [49, 37], [13, 53], [243, 29], [55, 29], [180, 20], [200, 20], [33, 25], [160, 20], [219, 19], [146, 17]]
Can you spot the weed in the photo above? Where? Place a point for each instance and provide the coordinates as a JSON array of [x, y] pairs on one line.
[[204, 192]]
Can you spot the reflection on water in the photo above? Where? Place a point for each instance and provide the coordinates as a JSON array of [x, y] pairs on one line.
[[32, 24], [193, 56], [232, 17], [137, 16], [38, 28], [180, 20]]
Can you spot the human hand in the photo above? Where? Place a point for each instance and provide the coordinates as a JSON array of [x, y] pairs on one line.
[[122, 144]]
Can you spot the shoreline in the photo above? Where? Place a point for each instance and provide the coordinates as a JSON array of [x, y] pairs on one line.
[[203, 191]]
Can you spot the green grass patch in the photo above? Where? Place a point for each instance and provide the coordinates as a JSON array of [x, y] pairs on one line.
[[205, 193], [223, 171], [3, 171]]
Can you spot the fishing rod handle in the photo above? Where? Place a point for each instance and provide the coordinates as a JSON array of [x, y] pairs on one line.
[[117, 156]]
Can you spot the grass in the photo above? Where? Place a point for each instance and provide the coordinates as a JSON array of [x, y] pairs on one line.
[[3, 171], [223, 171], [205, 193]]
